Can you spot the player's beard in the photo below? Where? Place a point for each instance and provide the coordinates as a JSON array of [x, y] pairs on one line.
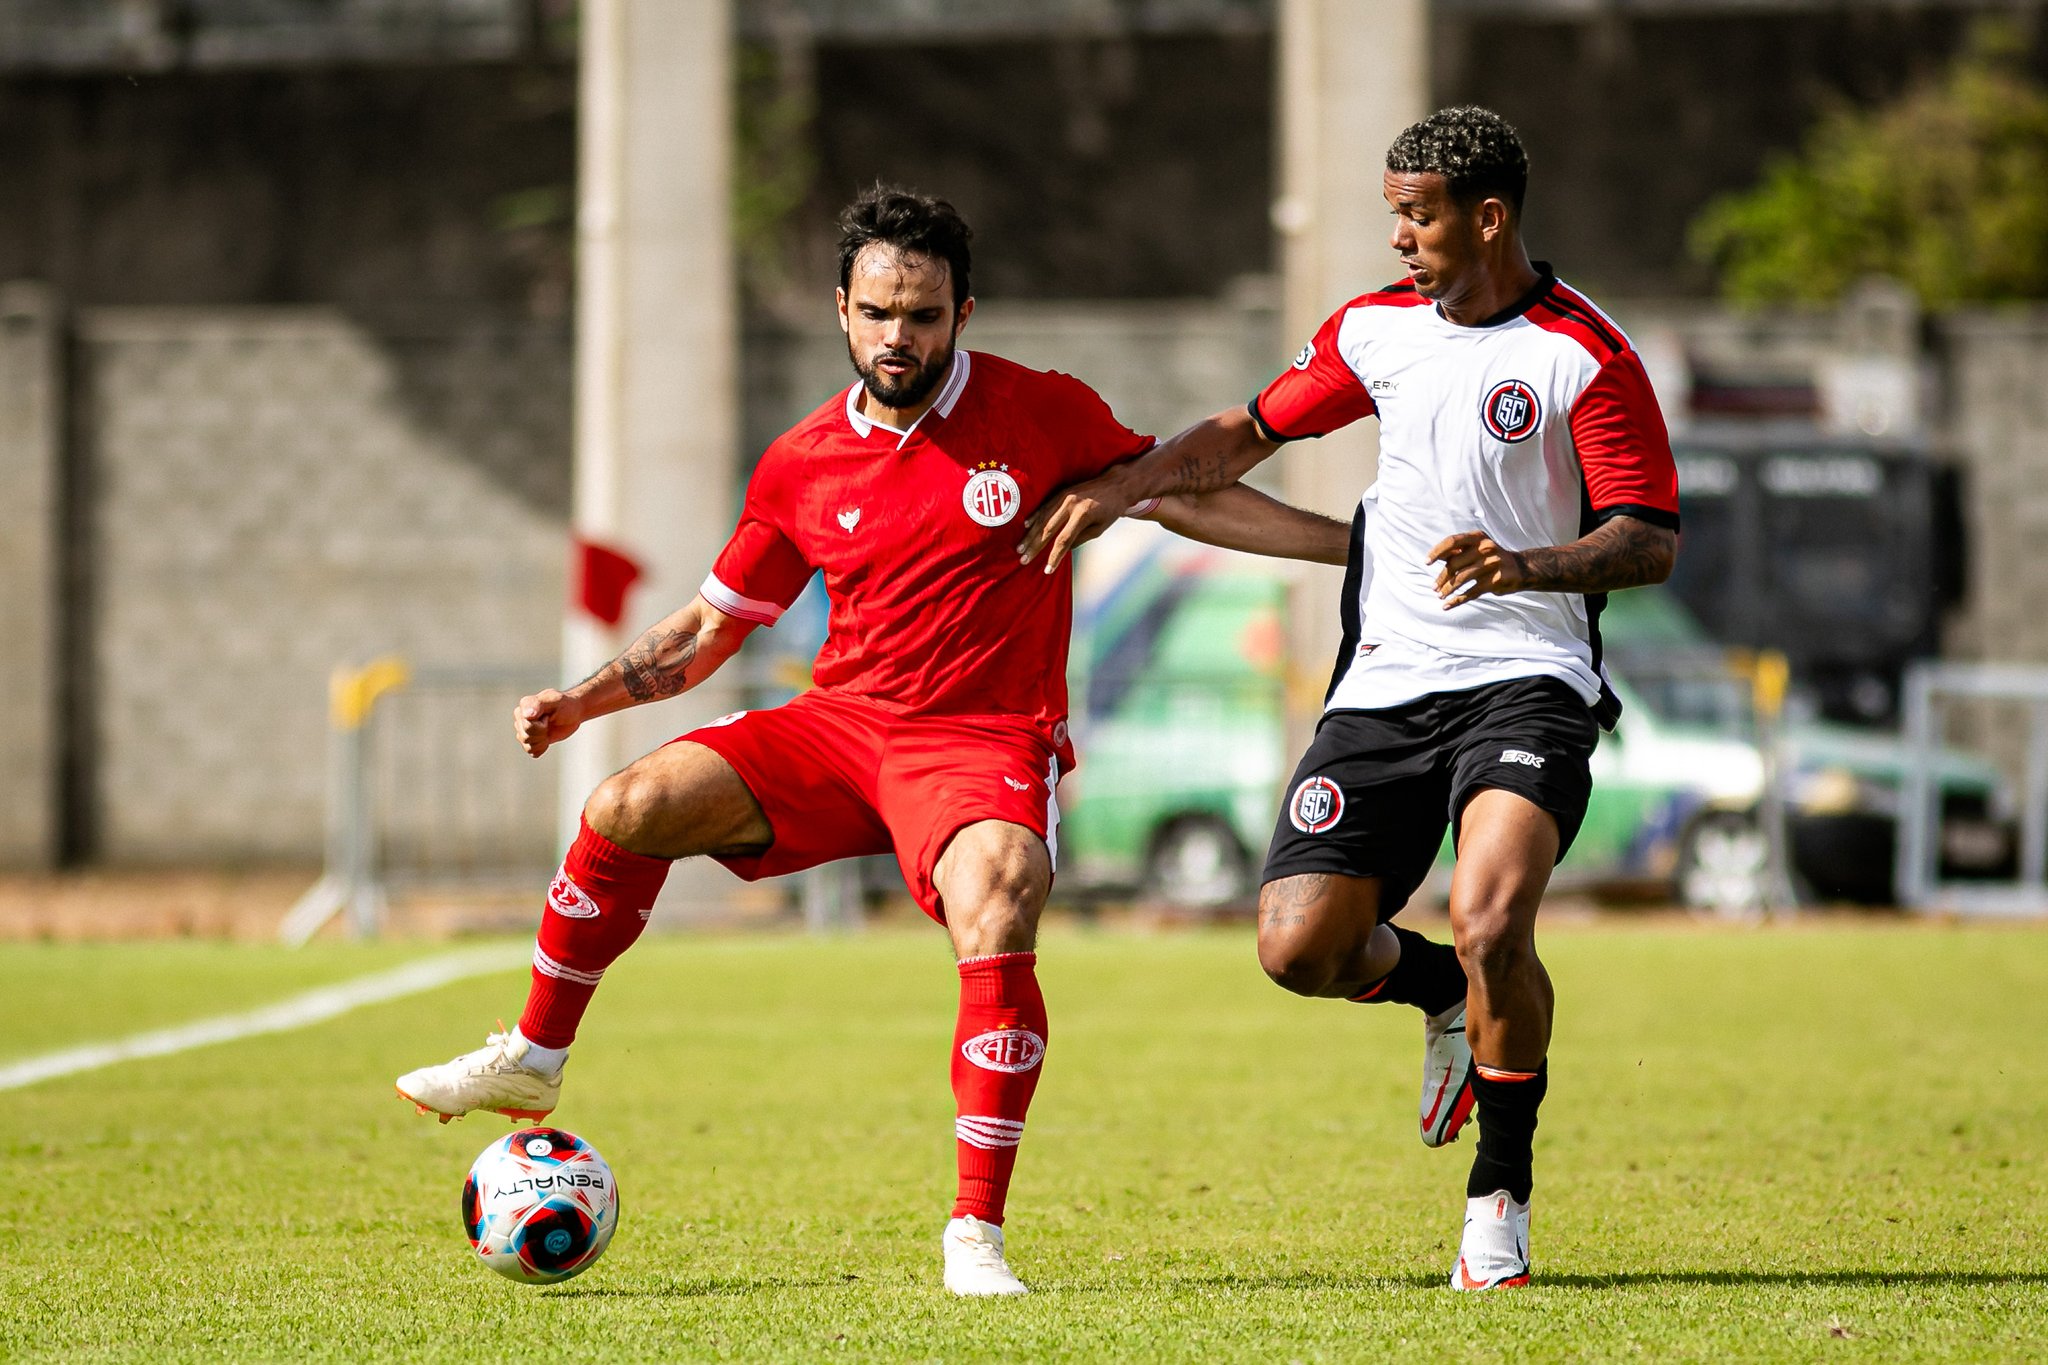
[[908, 391]]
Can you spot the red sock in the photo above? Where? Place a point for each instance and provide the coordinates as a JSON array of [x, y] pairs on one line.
[[997, 1045], [597, 906]]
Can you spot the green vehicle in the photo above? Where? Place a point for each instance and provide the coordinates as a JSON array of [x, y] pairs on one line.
[[1178, 688], [1177, 685]]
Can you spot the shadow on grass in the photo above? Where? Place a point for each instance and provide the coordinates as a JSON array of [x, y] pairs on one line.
[[1791, 1279], [1339, 1280], [697, 1289], [1852, 1279]]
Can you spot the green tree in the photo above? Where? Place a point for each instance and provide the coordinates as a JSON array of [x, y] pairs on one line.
[[1945, 189]]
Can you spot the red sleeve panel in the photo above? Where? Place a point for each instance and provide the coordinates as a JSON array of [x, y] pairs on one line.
[[1624, 450], [1317, 394], [1090, 432], [759, 572]]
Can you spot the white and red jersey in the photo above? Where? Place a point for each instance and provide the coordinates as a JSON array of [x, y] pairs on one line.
[[916, 533], [1535, 427]]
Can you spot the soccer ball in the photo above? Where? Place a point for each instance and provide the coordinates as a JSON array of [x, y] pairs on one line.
[[540, 1205]]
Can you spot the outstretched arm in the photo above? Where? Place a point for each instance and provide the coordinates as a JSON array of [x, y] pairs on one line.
[[1241, 518], [1212, 454], [1624, 552], [672, 656]]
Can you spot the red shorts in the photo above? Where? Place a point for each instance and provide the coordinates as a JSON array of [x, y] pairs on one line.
[[839, 777]]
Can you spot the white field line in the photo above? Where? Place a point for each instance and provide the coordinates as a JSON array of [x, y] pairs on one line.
[[314, 1006]]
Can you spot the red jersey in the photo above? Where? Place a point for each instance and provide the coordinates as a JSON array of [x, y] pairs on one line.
[[916, 533]]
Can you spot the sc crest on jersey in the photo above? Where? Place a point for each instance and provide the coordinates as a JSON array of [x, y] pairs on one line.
[[1511, 412], [1307, 353]]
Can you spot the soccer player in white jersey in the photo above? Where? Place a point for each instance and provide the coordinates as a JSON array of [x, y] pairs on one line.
[[1524, 473]]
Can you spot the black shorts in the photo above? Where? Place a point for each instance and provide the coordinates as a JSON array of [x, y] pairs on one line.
[[1374, 792]]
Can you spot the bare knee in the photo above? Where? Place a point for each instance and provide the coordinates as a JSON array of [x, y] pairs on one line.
[[624, 807], [1293, 951], [1293, 965], [992, 881], [1493, 945]]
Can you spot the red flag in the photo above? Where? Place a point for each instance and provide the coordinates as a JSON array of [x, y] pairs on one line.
[[603, 578]]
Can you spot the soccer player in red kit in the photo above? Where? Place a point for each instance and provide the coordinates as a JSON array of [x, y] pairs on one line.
[[937, 729], [1524, 473]]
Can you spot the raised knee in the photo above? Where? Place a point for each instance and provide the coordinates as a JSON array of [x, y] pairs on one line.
[[1294, 965], [622, 807]]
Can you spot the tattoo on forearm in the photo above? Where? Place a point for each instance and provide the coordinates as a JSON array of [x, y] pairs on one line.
[[1624, 553], [1200, 473], [657, 664]]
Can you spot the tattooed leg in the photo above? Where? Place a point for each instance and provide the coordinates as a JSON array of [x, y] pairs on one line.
[[1319, 934]]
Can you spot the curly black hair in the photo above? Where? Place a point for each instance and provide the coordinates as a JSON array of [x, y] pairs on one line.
[[908, 221], [1476, 151]]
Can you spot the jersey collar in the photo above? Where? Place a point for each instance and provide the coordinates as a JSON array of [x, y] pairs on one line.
[[948, 399], [1545, 278]]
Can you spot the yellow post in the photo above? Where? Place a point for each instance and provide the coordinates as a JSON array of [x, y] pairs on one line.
[[352, 693], [1770, 677]]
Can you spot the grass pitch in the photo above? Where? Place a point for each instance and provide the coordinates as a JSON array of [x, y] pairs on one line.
[[1801, 1144]]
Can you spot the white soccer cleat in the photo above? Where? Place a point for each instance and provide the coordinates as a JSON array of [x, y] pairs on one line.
[[1494, 1251], [1446, 1076], [975, 1267], [489, 1078]]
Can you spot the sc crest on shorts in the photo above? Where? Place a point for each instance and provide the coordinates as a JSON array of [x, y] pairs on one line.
[[992, 496], [1317, 804], [1307, 354], [1511, 411], [1004, 1049]]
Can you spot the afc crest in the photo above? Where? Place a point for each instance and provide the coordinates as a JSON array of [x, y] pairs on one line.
[[992, 497]]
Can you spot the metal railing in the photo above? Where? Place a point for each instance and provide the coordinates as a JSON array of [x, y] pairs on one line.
[[1929, 688], [426, 789]]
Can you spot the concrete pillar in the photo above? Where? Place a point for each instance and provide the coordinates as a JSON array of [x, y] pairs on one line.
[[31, 559], [1352, 75], [657, 416]]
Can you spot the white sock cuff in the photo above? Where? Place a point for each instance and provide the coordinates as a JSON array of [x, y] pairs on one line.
[[546, 1060]]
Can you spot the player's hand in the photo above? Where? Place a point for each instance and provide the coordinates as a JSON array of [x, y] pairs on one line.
[[1071, 518], [1474, 565], [545, 718]]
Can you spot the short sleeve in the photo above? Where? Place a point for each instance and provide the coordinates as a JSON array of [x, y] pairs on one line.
[[758, 573], [1091, 433], [1624, 450], [1315, 395]]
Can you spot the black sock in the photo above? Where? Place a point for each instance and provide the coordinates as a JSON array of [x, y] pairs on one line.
[[1427, 976], [1506, 1110]]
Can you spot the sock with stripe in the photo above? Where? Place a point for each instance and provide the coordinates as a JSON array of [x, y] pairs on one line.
[[1427, 976], [998, 1043], [1506, 1104], [597, 906]]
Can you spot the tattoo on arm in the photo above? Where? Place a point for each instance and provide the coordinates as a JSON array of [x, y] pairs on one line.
[[656, 665], [1200, 473], [1626, 552]]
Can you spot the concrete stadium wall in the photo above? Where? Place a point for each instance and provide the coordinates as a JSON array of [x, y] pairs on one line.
[[1996, 418], [274, 492], [31, 577]]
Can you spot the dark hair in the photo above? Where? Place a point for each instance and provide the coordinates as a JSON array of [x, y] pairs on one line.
[[1475, 150], [908, 221]]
